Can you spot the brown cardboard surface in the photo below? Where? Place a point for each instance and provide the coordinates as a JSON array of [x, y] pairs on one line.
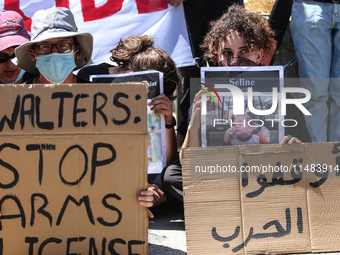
[[267, 211], [72, 111], [73, 189], [324, 205]]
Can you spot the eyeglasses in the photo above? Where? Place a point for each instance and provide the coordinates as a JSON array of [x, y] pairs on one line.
[[47, 48], [5, 57]]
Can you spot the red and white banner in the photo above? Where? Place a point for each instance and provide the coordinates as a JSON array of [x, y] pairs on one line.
[[110, 20]]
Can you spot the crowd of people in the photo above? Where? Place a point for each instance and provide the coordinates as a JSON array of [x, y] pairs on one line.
[[55, 49]]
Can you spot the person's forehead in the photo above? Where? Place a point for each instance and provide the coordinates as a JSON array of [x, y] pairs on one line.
[[9, 50], [57, 40]]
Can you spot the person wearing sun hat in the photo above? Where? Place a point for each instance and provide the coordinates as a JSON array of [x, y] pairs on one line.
[[12, 34], [56, 48]]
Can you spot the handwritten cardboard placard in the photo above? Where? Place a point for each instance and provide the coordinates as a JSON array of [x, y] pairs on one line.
[[72, 162], [280, 199]]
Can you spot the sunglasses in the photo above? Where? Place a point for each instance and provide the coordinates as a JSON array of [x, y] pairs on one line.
[[5, 57]]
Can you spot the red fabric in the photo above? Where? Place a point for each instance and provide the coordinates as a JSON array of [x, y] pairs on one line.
[[263, 140]]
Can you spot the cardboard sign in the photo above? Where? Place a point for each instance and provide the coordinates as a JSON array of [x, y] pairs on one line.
[[72, 163], [262, 198]]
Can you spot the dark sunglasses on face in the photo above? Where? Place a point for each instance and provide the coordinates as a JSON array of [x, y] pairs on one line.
[[5, 57]]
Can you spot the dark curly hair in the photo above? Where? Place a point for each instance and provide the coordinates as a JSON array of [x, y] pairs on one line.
[[137, 53], [255, 30]]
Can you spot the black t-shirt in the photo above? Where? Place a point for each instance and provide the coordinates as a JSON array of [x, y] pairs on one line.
[[79, 80], [86, 71], [27, 76]]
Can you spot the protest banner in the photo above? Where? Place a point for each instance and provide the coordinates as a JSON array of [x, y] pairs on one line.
[[262, 199], [72, 163], [110, 20]]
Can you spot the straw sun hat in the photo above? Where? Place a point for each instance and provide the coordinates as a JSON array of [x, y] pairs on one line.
[[50, 24]]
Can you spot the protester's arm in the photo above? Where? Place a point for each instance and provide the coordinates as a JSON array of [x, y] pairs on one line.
[[192, 135], [163, 105], [84, 73]]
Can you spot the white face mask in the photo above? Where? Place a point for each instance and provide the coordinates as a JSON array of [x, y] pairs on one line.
[[55, 67]]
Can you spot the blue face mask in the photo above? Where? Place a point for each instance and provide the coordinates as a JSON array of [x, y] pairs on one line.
[[17, 79], [55, 67]]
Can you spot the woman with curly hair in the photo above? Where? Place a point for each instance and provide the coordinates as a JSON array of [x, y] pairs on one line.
[[239, 38]]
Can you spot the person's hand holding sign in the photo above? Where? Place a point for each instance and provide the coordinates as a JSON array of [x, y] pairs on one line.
[[161, 104], [288, 139], [151, 197]]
